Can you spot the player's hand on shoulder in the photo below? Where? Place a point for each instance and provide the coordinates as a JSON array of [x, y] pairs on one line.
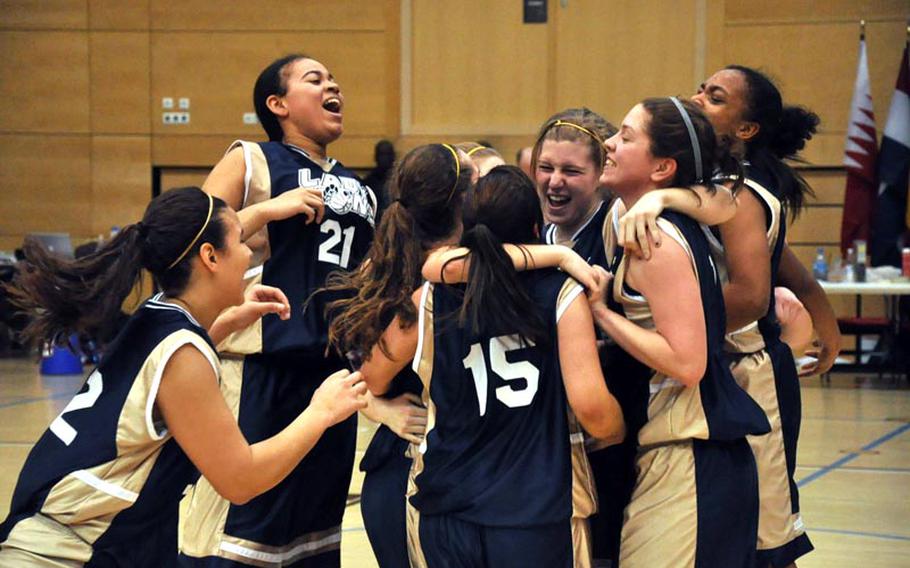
[[638, 229], [342, 394], [301, 201], [578, 268]]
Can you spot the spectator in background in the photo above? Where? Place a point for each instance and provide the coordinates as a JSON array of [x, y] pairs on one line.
[[377, 179]]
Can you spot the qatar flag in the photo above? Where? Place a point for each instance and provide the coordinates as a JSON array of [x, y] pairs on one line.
[[890, 226], [859, 159]]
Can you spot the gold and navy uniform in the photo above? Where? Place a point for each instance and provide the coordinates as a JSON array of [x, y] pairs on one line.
[[102, 485], [295, 256], [386, 463], [608, 473], [693, 460], [272, 368], [763, 365], [492, 482]]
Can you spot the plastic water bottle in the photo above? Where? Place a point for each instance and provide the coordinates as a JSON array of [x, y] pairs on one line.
[[820, 266], [860, 270]]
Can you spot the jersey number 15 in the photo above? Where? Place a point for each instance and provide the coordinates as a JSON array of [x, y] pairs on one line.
[[498, 347]]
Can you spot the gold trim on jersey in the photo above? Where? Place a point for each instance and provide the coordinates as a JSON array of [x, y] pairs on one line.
[[675, 412], [777, 523], [257, 187], [265, 556], [567, 294], [747, 339], [203, 512], [584, 493], [249, 339], [423, 366], [582, 548], [660, 528]]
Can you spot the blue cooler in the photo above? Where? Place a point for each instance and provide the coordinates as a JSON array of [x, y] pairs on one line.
[[61, 361]]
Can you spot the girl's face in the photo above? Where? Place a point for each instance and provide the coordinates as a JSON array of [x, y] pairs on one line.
[[313, 101], [567, 181], [630, 165], [723, 99]]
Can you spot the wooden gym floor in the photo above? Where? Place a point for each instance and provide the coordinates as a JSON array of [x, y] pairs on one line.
[[853, 463]]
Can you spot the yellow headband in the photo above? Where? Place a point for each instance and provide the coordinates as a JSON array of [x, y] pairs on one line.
[[475, 149], [577, 127], [199, 234], [591, 133], [457, 169]]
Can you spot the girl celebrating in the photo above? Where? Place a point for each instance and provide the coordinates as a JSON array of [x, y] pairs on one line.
[[102, 485], [427, 189], [492, 483], [747, 111], [279, 188], [568, 162], [668, 313]]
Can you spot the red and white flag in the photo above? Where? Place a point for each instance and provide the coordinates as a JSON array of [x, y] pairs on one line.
[[860, 159]]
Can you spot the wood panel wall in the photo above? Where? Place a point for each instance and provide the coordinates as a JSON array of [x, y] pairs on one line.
[[811, 49], [81, 82]]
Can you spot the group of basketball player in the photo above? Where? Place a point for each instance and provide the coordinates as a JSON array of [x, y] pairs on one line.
[[581, 368]]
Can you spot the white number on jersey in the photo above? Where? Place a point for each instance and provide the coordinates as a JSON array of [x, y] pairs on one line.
[[335, 232], [498, 347], [60, 427]]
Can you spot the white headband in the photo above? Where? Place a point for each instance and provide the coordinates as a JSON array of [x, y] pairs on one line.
[[693, 139]]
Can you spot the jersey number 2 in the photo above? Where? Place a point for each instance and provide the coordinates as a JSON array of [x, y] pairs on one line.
[[60, 427], [336, 233], [498, 347]]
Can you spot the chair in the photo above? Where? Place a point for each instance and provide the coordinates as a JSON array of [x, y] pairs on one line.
[[860, 326]]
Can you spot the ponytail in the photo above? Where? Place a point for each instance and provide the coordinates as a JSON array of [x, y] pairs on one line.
[[383, 286], [504, 208], [782, 133], [63, 297], [494, 298]]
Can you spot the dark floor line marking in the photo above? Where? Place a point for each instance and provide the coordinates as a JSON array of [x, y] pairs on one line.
[[861, 533], [22, 401], [851, 456], [860, 469]]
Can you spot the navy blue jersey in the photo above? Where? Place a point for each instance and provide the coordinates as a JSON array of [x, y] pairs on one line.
[[298, 257], [107, 469], [497, 449], [588, 241]]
